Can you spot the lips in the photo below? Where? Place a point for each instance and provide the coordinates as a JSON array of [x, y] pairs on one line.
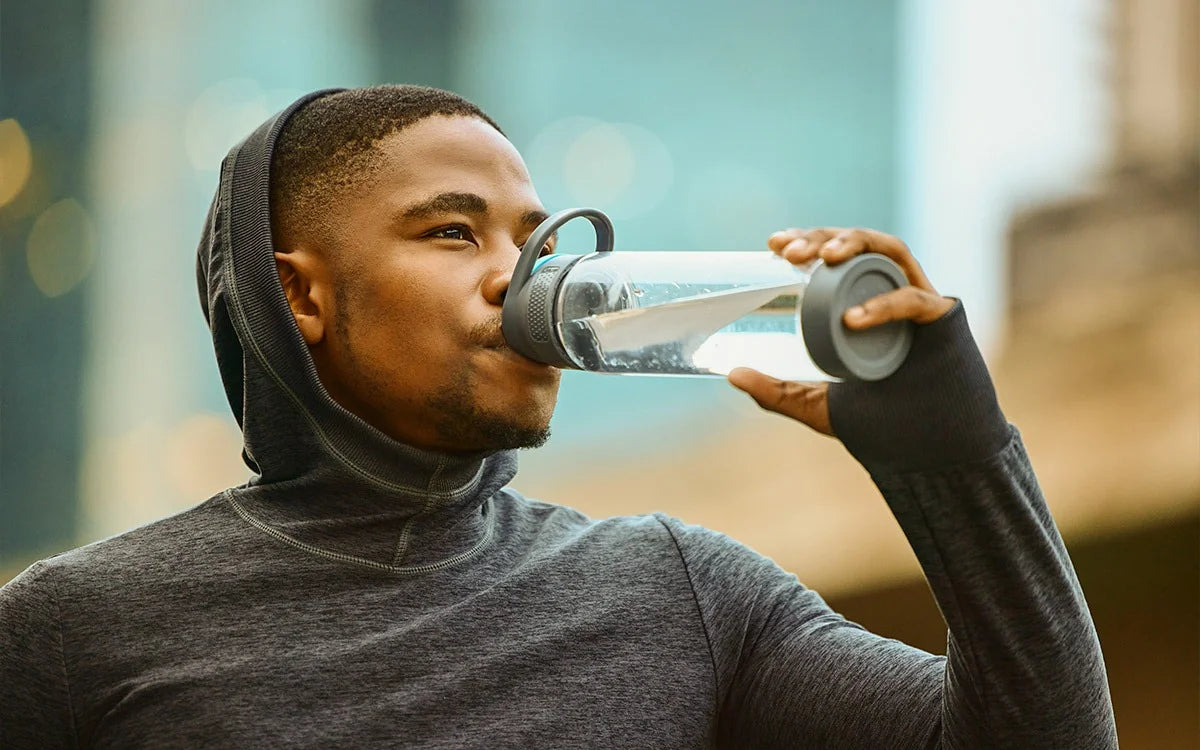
[[511, 354], [490, 336]]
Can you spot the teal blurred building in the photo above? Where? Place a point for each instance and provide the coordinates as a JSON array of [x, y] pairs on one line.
[[696, 125]]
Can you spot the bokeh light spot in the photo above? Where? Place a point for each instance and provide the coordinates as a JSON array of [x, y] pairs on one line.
[[61, 248], [622, 168], [16, 160], [599, 165]]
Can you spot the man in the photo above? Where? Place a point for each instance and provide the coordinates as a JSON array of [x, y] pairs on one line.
[[377, 584]]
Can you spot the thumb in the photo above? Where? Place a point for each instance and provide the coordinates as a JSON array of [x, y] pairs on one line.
[[803, 402]]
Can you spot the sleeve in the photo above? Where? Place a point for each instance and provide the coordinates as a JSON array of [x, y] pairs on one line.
[[1023, 665], [35, 699]]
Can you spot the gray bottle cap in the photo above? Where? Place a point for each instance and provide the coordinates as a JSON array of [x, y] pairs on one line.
[[870, 354]]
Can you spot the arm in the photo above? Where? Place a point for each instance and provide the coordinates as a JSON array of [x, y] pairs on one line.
[[35, 709], [1023, 668]]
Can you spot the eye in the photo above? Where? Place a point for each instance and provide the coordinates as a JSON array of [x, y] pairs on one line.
[[452, 232], [547, 249]]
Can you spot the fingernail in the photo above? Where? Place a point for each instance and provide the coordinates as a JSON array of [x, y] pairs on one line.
[[858, 312]]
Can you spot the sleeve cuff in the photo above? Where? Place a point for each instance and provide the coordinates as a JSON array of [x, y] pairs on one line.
[[939, 409]]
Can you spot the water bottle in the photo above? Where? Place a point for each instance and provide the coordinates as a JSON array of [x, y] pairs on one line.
[[697, 313]]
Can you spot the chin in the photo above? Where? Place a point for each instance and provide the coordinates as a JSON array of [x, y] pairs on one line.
[[491, 433], [525, 429], [515, 417], [529, 403]]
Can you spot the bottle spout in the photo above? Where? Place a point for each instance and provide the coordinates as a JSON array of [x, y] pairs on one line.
[[527, 317]]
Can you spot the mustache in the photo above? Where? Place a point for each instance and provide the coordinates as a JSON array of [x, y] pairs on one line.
[[487, 334]]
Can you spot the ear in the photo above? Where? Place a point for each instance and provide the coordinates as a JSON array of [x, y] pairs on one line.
[[305, 285]]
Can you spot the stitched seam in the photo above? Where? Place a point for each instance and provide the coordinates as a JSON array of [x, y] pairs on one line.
[[290, 541], [699, 615], [402, 542], [231, 283], [62, 660]]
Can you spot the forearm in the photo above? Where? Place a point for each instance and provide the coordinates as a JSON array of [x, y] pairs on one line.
[[1024, 665]]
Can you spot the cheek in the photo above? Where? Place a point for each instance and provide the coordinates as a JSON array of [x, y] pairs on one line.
[[407, 325]]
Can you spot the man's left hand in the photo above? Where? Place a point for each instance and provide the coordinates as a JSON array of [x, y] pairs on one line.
[[918, 302]]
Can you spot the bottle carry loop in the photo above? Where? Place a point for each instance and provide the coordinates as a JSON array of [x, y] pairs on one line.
[[527, 320]]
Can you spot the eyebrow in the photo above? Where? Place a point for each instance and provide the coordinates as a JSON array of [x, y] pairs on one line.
[[467, 203]]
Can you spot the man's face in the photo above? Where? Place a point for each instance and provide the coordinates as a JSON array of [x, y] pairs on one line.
[[412, 340]]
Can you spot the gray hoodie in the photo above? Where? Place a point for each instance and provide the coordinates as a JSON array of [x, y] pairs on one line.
[[358, 592]]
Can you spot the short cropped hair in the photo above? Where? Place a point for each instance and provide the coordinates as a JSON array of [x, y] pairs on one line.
[[327, 148]]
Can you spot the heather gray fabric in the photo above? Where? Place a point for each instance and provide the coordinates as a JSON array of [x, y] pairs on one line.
[[361, 593]]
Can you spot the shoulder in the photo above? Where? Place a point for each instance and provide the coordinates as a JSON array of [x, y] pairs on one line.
[[699, 542], [561, 527], [652, 540], [573, 520], [32, 592], [715, 558], [142, 552]]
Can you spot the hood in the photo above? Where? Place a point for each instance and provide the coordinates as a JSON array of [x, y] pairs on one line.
[[324, 480]]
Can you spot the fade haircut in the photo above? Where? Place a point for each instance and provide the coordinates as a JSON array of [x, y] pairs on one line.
[[327, 150]]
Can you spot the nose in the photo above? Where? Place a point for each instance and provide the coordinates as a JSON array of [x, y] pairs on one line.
[[495, 286]]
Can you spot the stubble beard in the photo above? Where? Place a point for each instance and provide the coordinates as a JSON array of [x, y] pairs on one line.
[[460, 421]]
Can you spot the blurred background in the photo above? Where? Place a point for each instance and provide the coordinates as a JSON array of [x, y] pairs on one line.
[[1040, 158]]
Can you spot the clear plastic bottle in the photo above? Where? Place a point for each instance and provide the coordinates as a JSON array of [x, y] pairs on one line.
[[685, 313], [698, 313]]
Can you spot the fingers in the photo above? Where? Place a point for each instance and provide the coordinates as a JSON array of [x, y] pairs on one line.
[[833, 245], [780, 239], [906, 303], [854, 242], [800, 246], [804, 402]]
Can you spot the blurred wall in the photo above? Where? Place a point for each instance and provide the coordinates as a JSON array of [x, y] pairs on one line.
[[47, 249], [697, 125], [176, 85], [789, 135], [1004, 104]]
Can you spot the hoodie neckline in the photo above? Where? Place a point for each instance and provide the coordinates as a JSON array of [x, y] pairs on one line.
[[325, 480]]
